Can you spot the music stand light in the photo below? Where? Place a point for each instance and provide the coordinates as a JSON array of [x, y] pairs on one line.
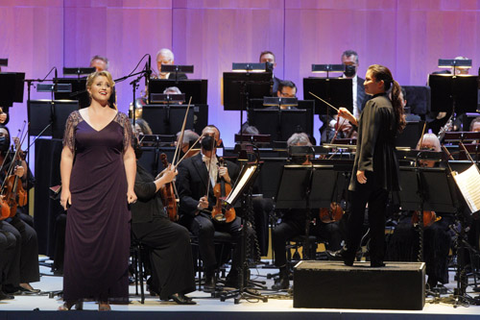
[[327, 68], [277, 102], [78, 71], [49, 87], [455, 63], [249, 67], [167, 98]]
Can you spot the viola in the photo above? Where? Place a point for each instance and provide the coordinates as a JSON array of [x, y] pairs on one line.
[[429, 218], [332, 214], [221, 190], [168, 195]]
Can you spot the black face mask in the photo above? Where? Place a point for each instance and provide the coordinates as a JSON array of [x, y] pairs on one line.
[[269, 66], [208, 143], [350, 71], [4, 144]]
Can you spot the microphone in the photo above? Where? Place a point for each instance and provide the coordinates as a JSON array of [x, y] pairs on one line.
[[55, 81]]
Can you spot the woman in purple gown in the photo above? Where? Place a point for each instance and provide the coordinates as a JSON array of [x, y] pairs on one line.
[[98, 174]]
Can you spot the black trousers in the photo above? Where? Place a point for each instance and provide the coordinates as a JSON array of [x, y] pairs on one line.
[[25, 262], [170, 257], [377, 201], [8, 246], [204, 228]]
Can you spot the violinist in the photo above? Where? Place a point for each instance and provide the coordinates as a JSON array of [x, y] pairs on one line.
[[8, 250], [25, 268], [293, 224], [189, 138], [403, 245], [170, 255], [196, 179]]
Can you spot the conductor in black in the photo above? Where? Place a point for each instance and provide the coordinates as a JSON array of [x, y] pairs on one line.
[[375, 171]]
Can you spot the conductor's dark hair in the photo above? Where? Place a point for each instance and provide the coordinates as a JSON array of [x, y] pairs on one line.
[[392, 87]]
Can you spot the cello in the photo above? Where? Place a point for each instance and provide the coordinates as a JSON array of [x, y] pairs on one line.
[[169, 195]]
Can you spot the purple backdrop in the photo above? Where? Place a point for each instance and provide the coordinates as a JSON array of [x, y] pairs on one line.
[[408, 36]]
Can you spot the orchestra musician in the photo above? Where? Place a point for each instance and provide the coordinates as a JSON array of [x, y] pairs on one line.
[[196, 175], [293, 224], [170, 251], [332, 123], [269, 58], [404, 243], [24, 258], [100, 63], [189, 138], [165, 56], [375, 171]]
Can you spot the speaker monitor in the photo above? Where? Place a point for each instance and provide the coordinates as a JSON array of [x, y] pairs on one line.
[[331, 284]]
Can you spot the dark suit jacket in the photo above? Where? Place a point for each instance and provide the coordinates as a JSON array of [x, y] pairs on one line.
[[275, 84], [192, 182], [362, 97], [149, 202]]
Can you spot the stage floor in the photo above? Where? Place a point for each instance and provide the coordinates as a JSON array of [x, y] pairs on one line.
[[279, 306]]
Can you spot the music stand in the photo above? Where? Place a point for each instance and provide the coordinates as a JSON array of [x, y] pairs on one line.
[[48, 118], [242, 189], [457, 94], [295, 190], [240, 87], [176, 69], [281, 124], [3, 62], [410, 135], [11, 88], [196, 89], [78, 92], [165, 119], [336, 91]]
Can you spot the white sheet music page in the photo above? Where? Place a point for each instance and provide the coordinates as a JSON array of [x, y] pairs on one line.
[[469, 184]]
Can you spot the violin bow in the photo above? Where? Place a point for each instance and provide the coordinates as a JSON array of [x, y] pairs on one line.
[[181, 133], [193, 145]]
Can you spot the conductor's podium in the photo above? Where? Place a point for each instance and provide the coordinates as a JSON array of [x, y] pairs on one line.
[[331, 284]]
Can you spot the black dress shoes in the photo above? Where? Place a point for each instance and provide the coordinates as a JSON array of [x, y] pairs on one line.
[[180, 298], [340, 255], [377, 264], [4, 296]]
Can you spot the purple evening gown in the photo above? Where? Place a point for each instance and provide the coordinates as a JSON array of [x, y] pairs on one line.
[[98, 232]]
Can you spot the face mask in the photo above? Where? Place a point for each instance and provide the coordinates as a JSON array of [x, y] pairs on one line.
[[4, 145], [208, 142], [350, 71]]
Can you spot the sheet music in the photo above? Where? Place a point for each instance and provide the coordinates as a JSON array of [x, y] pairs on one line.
[[469, 184], [239, 186]]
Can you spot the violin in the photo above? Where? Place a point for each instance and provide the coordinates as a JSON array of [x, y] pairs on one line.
[[4, 208], [221, 190], [332, 214], [429, 218], [168, 195]]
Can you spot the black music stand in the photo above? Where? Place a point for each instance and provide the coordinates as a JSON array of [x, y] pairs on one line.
[[456, 94], [48, 118], [410, 135], [79, 91], [296, 191], [240, 87], [336, 91], [196, 89], [281, 124], [11, 88], [242, 190], [430, 189], [165, 119]]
